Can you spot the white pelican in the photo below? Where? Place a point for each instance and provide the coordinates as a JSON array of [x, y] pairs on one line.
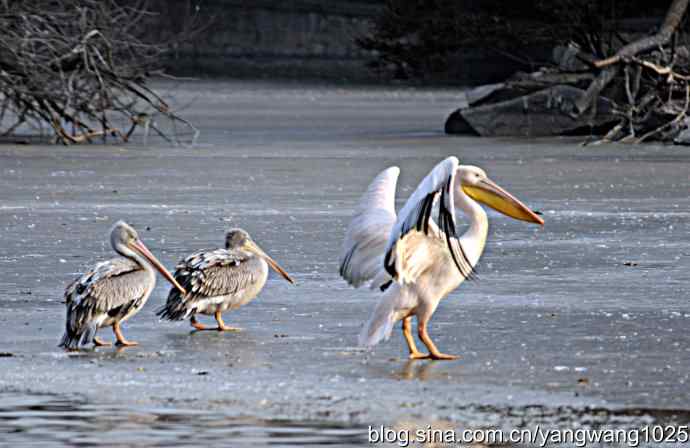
[[413, 260], [111, 292], [220, 280]]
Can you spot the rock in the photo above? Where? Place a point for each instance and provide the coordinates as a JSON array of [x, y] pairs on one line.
[[541, 113], [456, 124], [474, 96]]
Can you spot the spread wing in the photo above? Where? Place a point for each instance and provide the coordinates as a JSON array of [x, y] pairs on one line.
[[210, 274], [367, 234], [415, 217]]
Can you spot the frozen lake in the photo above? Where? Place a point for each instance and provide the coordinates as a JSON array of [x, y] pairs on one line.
[[581, 323]]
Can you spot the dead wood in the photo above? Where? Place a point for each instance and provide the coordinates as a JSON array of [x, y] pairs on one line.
[[80, 69], [611, 66]]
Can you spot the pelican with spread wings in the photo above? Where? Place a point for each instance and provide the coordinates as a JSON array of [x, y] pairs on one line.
[[414, 260]]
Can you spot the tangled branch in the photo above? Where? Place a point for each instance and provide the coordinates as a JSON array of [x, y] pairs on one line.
[[79, 68], [658, 95], [610, 65]]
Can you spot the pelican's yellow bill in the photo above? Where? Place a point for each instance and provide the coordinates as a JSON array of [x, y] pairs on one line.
[[487, 192]]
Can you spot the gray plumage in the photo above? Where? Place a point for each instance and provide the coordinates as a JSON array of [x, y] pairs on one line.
[[112, 291], [215, 280]]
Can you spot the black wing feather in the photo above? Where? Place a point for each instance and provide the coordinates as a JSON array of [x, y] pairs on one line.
[[447, 226]]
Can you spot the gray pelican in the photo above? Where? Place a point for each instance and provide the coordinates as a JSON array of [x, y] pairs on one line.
[[414, 261], [111, 292], [219, 280]]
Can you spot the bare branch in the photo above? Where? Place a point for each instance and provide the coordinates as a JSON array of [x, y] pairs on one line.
[[72, 63], [674, 16]]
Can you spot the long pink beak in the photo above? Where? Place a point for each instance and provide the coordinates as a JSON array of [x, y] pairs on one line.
[[144, 251]]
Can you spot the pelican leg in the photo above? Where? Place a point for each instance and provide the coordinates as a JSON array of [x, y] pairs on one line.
[[426, 339], [121, 341], [98, 342], [407, 332], [197, 325], [221, 324]]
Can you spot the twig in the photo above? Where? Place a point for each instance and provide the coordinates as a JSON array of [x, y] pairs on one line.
[[681, 115], [69, 64], [673, 18], [661, 70]]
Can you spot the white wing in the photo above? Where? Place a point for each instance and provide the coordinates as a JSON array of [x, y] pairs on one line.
[[400, 260], [367, 234]]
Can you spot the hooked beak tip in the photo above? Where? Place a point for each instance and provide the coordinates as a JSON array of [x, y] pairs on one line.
[[538, 220]]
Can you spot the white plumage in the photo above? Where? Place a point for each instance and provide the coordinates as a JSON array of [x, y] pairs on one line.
[[368, 232], [414, 260]]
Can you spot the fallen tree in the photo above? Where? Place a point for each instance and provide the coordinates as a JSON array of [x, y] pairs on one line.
[[641, 92], [610, 77], [657, 96], [78, 69]]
